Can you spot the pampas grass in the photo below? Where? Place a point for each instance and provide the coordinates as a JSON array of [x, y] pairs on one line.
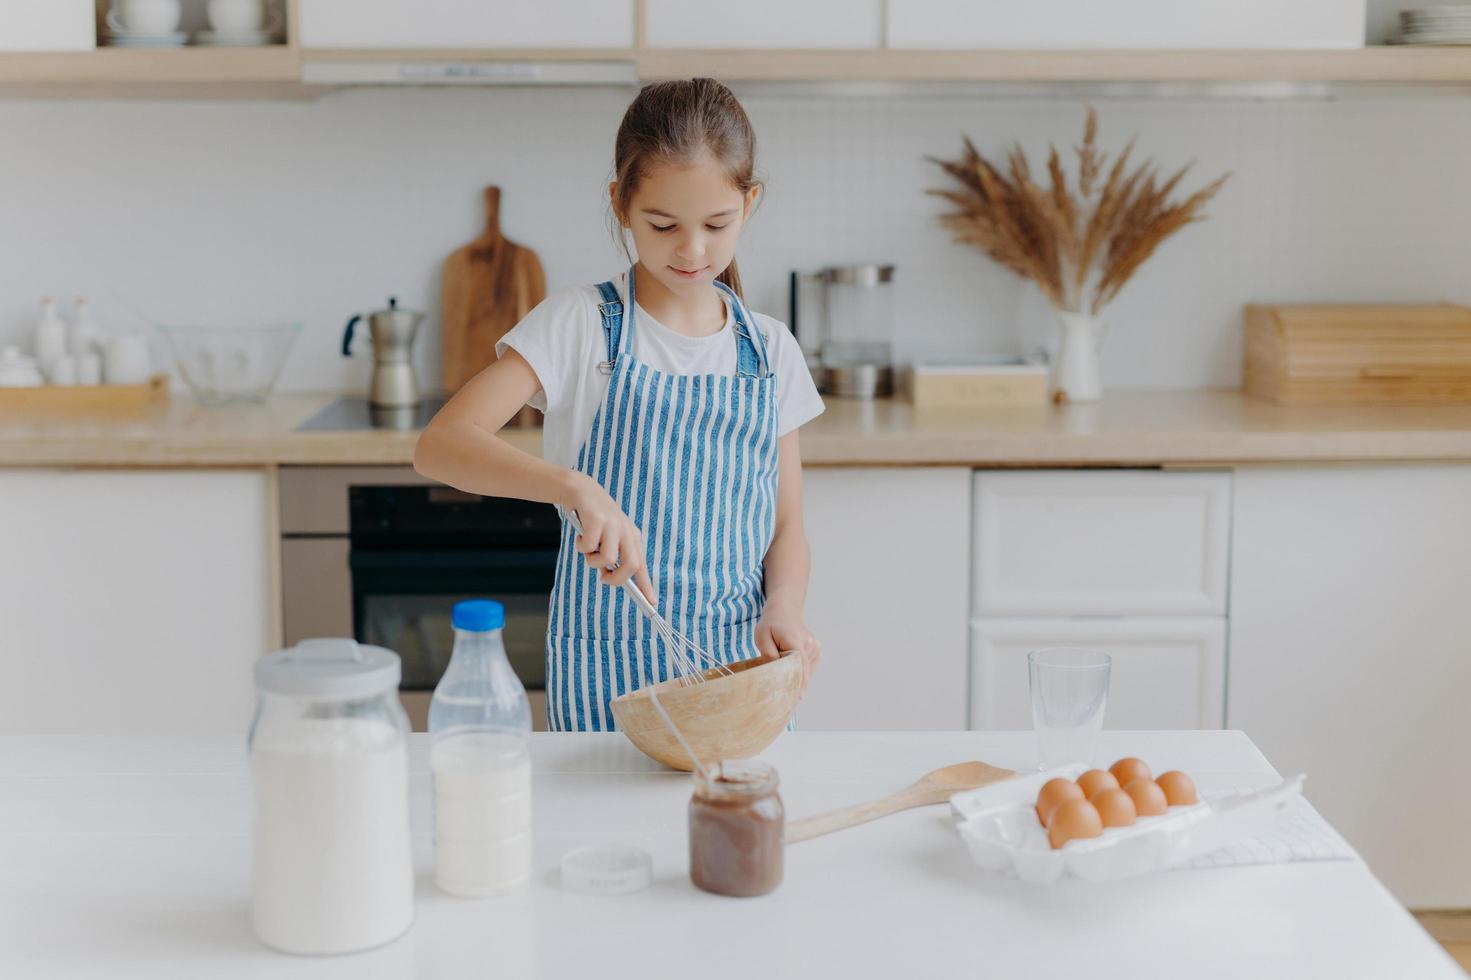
[[1079, 242]]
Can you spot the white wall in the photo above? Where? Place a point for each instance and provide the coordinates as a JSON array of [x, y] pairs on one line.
[[205, 212]]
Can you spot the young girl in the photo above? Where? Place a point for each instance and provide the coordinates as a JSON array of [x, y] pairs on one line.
[[671, 424]]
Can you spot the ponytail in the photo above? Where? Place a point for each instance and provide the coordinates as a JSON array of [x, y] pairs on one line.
[[732, 278]]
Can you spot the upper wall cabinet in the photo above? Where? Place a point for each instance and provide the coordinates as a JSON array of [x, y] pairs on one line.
[[1125, 24], [466, 24], [764, 24]]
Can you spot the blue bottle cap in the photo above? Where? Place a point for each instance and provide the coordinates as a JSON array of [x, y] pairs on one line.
[[479, 615]]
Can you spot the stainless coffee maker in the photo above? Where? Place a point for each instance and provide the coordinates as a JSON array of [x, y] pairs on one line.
[[393, 390], [843, 318]]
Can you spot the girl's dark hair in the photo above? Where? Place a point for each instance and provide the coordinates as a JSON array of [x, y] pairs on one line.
[[670, 123]]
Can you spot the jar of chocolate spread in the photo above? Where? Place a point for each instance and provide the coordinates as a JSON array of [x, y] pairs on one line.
[[736, 824]]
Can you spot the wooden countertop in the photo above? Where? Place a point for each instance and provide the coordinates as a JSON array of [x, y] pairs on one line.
[[1137, 428]]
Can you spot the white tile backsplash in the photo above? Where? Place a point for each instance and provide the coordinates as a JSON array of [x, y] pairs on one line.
[[205, 211]]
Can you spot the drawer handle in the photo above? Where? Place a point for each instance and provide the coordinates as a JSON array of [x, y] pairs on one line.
[[1409, 372]]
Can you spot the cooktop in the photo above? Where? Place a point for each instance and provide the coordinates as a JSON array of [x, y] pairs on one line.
[[351, 413]]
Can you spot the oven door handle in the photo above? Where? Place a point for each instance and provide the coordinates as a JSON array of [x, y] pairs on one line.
[[536, 559]]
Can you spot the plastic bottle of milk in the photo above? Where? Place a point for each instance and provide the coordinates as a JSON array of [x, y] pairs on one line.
[[480, 723]]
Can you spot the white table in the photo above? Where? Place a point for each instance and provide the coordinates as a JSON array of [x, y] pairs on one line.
[[128, 857]]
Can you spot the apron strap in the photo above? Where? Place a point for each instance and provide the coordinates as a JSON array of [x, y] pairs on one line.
[[611, 309], [750, 349], [751, 358]]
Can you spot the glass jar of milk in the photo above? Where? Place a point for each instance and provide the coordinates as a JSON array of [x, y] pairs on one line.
[[332, 861], [480, 726]]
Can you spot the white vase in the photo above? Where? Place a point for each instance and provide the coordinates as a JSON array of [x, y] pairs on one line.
[[1076, 376]]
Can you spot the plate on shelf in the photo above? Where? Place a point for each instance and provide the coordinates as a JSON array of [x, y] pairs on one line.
[[135, 40], [249, 39]]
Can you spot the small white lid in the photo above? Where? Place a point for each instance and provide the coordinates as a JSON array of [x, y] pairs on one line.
[[607, 869], [336, 669]]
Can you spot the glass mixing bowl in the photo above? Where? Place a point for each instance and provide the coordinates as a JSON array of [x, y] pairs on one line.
[[222, 365]]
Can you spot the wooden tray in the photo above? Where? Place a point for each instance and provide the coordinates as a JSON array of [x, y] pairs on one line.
[[86, 398]]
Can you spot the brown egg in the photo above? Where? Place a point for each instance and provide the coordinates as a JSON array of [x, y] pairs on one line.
[[1115, 807], [1055, 791], [1095, 781], [1149, 799], [1130, 769], [1179, 788], [1073, 820]]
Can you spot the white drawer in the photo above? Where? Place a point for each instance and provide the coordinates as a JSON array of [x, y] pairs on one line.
[[466, 24], [1166, 673], [1100, 543]]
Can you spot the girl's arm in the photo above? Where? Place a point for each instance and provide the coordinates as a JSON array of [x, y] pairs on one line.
[[787, 567], [461, 447]]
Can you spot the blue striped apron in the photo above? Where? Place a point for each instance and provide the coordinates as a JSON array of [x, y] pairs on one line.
[[692, 460]]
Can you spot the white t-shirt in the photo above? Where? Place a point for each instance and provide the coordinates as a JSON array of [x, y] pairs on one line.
[[563, 341]]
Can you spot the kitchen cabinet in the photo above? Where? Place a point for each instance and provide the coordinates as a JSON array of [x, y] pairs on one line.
[[1125, 24], [1350, 657], [1166, 673], [133, 601], [888, 597], [1132, 562], [464, 24], [765, 24]]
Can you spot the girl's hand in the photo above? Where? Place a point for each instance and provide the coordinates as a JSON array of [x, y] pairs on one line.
[[610, 541], [780, 630]]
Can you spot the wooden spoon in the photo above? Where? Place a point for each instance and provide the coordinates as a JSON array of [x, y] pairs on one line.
[[935, 787]]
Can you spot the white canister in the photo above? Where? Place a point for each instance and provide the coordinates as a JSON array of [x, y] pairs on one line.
[[62, 370], [89, 369], [125, 360], [332, 862]]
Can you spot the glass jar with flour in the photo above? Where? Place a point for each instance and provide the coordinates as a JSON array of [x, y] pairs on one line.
[[332, 864]]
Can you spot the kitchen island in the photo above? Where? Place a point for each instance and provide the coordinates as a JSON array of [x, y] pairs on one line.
[[129, 857]]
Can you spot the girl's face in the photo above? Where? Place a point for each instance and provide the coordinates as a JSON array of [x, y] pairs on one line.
[[686, 220]]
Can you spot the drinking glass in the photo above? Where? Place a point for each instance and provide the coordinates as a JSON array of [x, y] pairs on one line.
[[1069, 693]]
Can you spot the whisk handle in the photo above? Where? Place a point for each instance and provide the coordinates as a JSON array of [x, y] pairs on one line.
[[639, 599]]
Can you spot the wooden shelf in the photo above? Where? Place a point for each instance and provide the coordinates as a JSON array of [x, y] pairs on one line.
[[276, 72], [188, 72]]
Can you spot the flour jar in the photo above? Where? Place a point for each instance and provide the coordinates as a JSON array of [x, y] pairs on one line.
[[332, 863]]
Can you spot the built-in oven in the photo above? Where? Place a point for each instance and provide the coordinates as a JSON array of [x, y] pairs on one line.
[[380, 554]]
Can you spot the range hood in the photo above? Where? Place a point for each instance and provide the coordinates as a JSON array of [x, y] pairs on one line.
[[468, 72]]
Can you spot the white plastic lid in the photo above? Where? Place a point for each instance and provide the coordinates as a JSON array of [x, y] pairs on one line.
[[335, 669], [607, 869]]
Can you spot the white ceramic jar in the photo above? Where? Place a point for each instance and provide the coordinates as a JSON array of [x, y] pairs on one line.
[[125, 360]]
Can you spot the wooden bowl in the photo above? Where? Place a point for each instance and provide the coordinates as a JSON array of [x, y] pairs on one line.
[[725, 716]]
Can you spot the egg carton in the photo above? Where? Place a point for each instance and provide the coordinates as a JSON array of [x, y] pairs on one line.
[[999, 826]]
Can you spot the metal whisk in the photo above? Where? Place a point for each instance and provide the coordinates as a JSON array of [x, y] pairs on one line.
[[689, 662]]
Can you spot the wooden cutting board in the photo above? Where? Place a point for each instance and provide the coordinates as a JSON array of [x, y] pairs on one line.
[[488, 286]]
